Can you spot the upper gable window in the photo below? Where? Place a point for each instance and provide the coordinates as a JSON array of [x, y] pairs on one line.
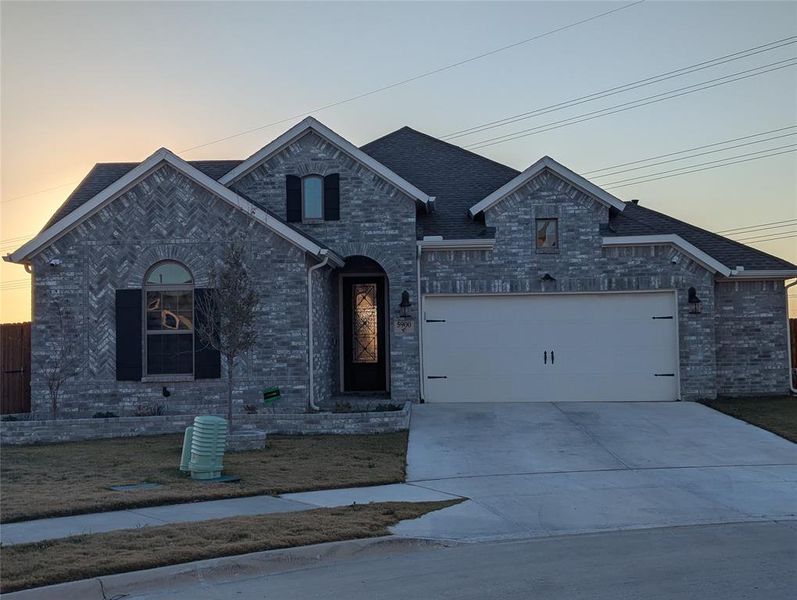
[[312, 198], [547, 235]]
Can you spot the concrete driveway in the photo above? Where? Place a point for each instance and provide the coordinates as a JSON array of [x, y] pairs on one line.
[[548, 469]]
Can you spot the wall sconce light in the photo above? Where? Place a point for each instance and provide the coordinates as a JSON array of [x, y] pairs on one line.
[[404, 307], [695, 305]]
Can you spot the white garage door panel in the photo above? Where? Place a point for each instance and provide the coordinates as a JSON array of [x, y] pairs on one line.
[[601, 388], [605, 347]]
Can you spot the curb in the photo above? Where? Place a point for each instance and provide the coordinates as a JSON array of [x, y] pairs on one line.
[[225, 568]]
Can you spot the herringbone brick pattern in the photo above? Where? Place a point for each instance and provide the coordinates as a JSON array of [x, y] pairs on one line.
[[167, 216]]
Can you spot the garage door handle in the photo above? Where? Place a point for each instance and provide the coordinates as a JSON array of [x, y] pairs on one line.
[[664, 374], [545, 357], [435, 320], [436, 377], [552, 357]]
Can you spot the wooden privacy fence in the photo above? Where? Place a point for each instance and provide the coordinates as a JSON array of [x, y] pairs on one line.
[[15, 368], [793, 342]]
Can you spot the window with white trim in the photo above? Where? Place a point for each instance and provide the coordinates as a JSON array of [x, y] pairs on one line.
[[168, 320]]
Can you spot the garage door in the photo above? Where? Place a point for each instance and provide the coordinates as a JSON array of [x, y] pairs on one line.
[[550, 348]]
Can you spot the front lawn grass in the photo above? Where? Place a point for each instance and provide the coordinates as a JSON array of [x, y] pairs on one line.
[[73, 478], [778, 415], [81, 557]]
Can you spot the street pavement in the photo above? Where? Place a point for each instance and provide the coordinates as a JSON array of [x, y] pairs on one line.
[[710, 562]]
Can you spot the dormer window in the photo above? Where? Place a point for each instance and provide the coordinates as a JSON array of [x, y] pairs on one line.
[[312, 198], [547, 235]]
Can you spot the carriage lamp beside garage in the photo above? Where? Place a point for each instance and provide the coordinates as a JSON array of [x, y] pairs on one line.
[[404, 323], [405, 305], [695, 304]]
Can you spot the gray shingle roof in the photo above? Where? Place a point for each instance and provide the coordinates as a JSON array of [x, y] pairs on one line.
[[639, 220], [104, 174], [459, 179]]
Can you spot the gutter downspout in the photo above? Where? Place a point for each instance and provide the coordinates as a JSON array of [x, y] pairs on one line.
[[792, 389], [420, 320], [310, 271]]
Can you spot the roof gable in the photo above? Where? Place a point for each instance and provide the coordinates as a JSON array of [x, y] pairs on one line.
[[546, 162], [460, 180], [311, 124], [104, 174], [707, 261], [142, 170]]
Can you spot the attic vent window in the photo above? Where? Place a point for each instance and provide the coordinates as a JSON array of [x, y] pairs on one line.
[[547, 235]]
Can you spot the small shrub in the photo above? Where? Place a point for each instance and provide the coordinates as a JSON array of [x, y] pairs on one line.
[[19, 417], [348, 407], [387, 407], [105, 415], [342, 407], [149, 410]]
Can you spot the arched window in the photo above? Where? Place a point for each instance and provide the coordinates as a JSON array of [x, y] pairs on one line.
[[169, 320], [312, 198]]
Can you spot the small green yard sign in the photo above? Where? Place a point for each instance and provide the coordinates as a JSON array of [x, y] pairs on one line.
[[271, 395]]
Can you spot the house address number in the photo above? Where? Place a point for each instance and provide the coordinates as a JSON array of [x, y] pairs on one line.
[[402, 325]]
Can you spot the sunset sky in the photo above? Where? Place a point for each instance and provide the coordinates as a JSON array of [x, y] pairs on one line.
[[99, 82]]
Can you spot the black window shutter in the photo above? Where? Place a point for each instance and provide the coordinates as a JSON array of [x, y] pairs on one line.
[[332, 197], [293, 205], [207, 360], [128, 335]]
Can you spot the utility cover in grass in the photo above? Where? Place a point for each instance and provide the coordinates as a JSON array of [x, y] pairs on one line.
[[132, 487], [222, 479]]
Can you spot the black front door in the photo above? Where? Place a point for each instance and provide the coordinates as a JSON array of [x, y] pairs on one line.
[[364, 347]]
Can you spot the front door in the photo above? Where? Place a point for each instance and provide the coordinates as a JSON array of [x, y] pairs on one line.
[[364, 347]]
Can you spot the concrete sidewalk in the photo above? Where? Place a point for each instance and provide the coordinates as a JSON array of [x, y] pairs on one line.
[[61, 527], [134, 518]]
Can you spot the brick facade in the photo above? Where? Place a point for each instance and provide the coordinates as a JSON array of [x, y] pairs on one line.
[[751, 338], [583, 265], [376, 221], [736, 346], [167, 216], [19, 433]]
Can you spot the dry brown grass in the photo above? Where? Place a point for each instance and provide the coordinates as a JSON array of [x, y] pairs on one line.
[[778, 415], [66, 479], [45, 563]]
